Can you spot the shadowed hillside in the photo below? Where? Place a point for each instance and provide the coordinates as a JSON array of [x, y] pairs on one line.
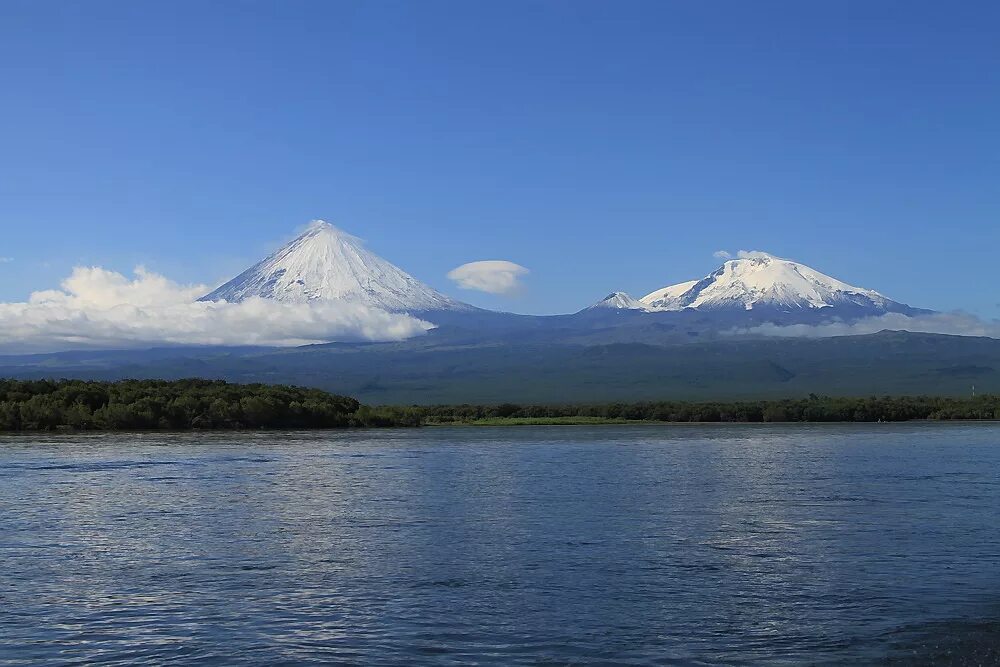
[[426, 372]]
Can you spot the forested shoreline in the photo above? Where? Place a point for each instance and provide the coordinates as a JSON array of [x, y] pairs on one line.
[[810, 409], [46, 405], [194, 404]]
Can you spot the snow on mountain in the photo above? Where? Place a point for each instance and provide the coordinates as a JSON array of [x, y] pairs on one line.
[[667, 298], [327, 264], [619, 301], [764, 282]]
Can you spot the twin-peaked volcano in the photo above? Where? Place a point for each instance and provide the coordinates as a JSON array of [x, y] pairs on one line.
[[762, 284], [328, 264]]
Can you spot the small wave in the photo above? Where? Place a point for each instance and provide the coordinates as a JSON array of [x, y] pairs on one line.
[[101, 466]]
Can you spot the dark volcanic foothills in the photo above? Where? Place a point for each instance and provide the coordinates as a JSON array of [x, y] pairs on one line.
[[444, 368]]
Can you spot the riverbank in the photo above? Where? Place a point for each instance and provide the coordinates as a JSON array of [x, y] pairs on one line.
[[539, 421], [811, 409], [580, 421], [181, 405]]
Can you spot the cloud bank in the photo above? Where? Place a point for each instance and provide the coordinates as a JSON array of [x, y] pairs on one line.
[[958, 324], [493, 276], [97, 308]]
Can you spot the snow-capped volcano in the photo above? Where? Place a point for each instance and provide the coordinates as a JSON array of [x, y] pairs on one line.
[[619, 301], [762, 285], [764, 282], [327, 264]]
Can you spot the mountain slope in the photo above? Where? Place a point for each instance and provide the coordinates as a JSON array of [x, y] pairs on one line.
[[418, 371], [666, 298], [325, 263]]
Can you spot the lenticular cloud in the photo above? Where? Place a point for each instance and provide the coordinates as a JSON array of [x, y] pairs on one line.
[[97, 308], [495, 276]]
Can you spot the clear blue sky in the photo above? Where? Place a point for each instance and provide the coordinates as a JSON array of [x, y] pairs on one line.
[[604, 145]]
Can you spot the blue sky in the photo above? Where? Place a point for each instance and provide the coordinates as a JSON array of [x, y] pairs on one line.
[[603, 145]]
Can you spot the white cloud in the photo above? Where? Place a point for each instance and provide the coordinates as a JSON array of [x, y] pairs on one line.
[[751, 254], [740, 254], [494, 276], [97, 308], [6, 260], [959, 324]]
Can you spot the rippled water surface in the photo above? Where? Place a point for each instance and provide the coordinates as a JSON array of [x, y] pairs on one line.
[[556, 545]]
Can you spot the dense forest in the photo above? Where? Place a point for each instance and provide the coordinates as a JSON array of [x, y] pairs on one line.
[[811, 409], [38, 405]]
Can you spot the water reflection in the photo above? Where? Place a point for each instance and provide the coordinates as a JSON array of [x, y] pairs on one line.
[[585, 545]]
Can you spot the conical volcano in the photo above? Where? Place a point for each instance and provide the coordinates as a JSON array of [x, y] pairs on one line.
[[327, 264]]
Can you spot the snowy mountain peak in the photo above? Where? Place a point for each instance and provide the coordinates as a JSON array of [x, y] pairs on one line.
[[619, 301], [326, 263], [761, 281], [318, 229]]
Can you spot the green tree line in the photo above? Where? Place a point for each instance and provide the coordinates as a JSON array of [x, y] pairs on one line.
[[37, 405], [811, 409]]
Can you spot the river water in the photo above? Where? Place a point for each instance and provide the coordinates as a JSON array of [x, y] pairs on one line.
[[632, 545]]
